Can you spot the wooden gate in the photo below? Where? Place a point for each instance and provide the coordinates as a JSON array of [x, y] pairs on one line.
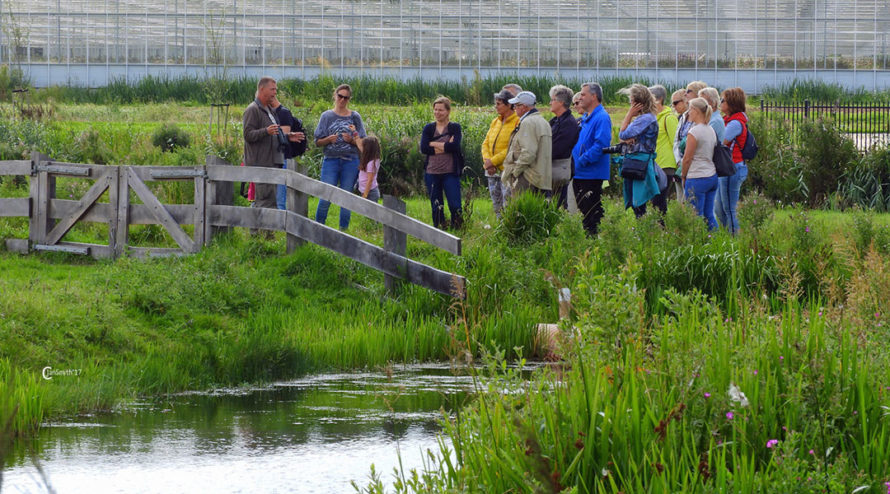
[[212, 211]]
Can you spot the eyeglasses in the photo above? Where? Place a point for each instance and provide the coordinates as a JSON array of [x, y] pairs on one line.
[[343, 97], [675, 103]]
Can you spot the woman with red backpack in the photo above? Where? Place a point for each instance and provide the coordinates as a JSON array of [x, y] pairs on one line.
[[732, 105]]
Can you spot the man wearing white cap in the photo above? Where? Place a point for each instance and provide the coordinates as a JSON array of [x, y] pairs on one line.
[[528, 165]]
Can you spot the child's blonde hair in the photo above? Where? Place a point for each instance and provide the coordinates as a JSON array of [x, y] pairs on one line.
[[370, 151]]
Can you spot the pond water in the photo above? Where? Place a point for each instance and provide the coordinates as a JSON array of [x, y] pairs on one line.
[[311, 435]]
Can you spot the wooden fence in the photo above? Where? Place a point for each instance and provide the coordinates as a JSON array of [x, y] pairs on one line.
[[212, 212]]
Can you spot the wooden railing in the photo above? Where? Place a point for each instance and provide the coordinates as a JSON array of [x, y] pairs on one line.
[[212, 212]]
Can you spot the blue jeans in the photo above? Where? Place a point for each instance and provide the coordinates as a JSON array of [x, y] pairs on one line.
[[701, 193], [281, 192], [342, 172], [449, 183], [728, 198]]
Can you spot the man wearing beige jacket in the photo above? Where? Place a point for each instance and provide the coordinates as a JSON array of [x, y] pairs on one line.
[[528, 164]]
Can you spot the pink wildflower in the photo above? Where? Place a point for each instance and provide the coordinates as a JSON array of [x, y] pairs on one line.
[[772, 443], [729, 415]]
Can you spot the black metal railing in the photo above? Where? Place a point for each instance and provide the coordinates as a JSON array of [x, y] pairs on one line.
[[866, 124]]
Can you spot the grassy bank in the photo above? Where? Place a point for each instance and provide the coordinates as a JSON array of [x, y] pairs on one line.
[[687, 370]]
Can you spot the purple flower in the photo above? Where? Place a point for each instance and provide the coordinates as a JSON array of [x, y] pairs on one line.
[[781, 357], [772, 443], [755, 372], [729, 415], [812, 452], [707, 395]]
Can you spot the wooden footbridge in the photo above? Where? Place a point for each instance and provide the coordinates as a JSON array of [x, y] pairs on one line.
[[213, 212]]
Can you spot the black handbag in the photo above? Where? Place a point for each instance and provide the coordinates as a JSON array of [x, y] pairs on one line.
[[723, 161], [634, 169]]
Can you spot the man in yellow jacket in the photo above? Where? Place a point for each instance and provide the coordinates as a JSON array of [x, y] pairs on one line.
[[494, 148]]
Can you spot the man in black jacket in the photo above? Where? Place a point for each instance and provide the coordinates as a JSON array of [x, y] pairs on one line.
[[296, 136]]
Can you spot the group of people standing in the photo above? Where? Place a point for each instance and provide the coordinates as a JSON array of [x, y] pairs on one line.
[[272, 136], [524, 152], [521, 152]]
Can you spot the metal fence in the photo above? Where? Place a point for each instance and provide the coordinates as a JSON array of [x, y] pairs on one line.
[[749, 42], [866, 124]]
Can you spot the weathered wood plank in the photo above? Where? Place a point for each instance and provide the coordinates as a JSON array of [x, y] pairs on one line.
[[46, 190], [373, 256], [170, 173], [198, 212], [297, 203], [15, 206], [161, 213], [393, 240], [98, 188], [155, 173], [96, 251], [68, 249], [218, 193], [122, 215], [18, 245], [33, 197], [257, 218], [342, 198], [228, 173], [15, 167], [69, 169]]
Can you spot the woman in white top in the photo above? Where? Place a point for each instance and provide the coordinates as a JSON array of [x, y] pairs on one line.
[[699, 173]]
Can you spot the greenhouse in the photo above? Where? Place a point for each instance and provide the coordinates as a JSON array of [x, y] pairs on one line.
[[751, 43]]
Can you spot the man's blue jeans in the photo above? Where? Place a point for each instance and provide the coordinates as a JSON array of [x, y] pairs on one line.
[[342, 172], [701, 193], [728, 189], [281, 192], [449, 184]]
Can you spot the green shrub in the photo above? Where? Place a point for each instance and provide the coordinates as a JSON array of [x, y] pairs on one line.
[[90, 148], [528, 218], [169, 137], [825, 154]]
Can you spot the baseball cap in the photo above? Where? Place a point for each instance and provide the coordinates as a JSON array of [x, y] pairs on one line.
[[526, 98]]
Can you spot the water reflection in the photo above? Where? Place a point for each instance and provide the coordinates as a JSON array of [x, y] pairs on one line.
[[307, 435]]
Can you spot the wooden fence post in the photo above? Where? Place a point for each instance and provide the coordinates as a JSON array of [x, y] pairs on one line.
[[394, 240], [217, 193], [43, 190], [298, 203]]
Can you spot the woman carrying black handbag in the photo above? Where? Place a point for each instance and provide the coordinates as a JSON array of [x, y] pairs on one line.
[[639, 133]]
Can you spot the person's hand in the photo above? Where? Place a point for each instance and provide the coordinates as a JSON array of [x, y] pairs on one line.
[[272, 129], [296, 136], [489, 167], [347, 137], [636, 109], [333, 138]]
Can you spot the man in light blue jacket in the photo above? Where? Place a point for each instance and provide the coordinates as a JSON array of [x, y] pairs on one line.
[[591, 164]]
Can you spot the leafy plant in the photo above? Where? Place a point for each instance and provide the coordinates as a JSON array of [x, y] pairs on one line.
[[528, 218], [169, 137]]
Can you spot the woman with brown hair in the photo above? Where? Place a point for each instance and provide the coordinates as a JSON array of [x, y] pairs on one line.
[[337, 131], [732, 105], [441, 143]]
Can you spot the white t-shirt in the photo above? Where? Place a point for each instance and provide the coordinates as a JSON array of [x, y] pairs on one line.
[[702, 165]]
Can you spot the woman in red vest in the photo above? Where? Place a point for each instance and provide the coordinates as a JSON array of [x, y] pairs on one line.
[[732, 105]]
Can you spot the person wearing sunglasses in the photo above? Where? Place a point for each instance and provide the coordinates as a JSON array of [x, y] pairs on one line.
[[337, 132]]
